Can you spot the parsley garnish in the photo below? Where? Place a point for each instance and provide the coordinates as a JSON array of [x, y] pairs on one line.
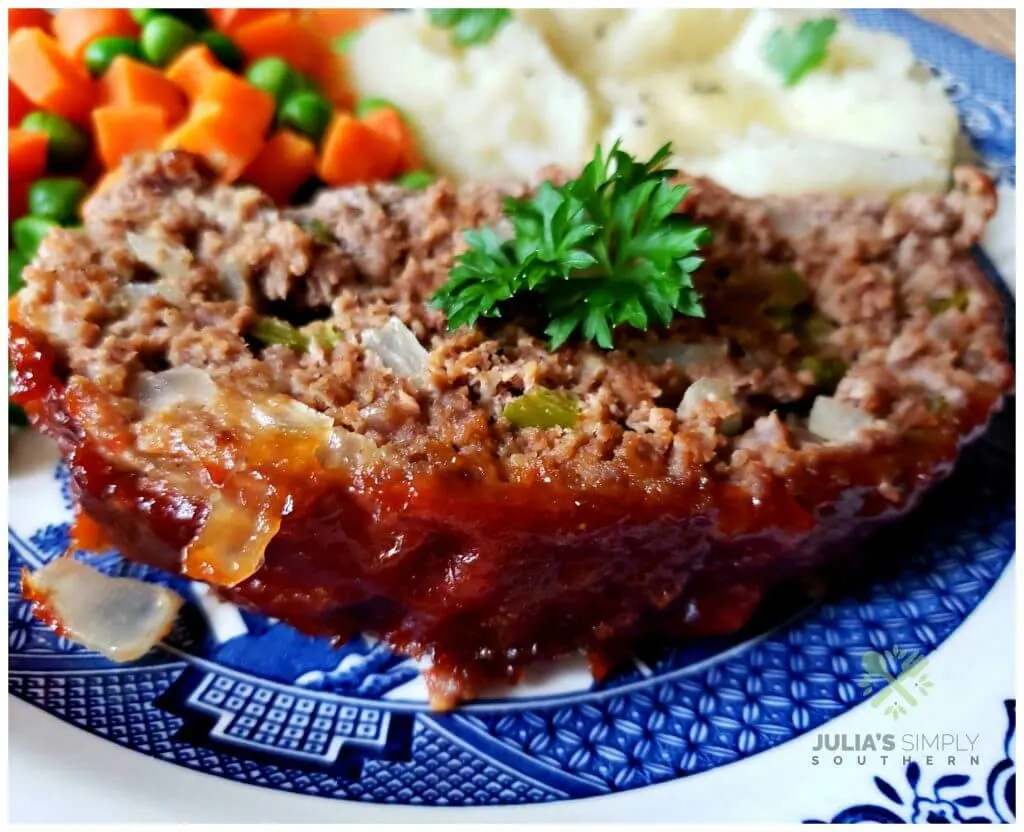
[[598, 252], [794, 54], [470, 26]]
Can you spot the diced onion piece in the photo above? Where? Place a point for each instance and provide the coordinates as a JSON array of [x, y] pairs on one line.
[[169, 389], [707, 389], [122, 618], [347, 449], [835, 421], [230, 544], [132, 294], [161, 255], [398, 348], [684, 355]]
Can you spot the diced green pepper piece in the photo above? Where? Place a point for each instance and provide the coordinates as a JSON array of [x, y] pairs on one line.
[[788, 291], [827, 371], [959, 300], [324, 334], [275, 331], [816, 327], [543, 408]]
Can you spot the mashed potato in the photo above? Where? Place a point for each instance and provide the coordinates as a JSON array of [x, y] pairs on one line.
[[552, 83]]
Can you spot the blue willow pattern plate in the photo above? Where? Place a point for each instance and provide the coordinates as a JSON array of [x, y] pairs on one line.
[[246, 698]]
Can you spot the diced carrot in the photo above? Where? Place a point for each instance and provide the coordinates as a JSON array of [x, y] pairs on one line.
[[389, 124], [331, 23], [228, 141], [129, 82], [17, 199], [227, 125], [353, 153], [246, 103], [229, 20], [17, 105], [26, 155], [285, 162], [48, 77], [193, 68], [283, 36], [75, 29], [123, 129], [29, 19]]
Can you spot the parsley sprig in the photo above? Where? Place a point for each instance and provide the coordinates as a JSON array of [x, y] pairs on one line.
[[601, 251], [470, 26], [794, 54]]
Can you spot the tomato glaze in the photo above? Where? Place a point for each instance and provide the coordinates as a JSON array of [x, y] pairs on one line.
[[482, 577]]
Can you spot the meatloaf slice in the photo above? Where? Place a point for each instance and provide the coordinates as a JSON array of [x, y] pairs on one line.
[[263, 399]]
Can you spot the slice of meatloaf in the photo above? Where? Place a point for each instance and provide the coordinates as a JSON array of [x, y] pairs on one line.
[[264, 399]]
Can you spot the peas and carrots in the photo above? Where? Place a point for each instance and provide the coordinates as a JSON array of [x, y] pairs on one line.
[[260, 93]]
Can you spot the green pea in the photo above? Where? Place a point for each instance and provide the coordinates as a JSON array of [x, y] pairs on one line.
[[143, 16], [56, 198], [306, 111], [67, 146], [365, 106], [415, 180], [274, 76], [164, 37], [28, 233], [15, 266], [223, 49], [102, 51]]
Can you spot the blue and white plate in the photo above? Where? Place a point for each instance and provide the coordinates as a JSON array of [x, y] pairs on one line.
[[892, 701]]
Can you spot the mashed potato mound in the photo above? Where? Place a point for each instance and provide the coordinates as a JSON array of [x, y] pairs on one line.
[[552, 83]]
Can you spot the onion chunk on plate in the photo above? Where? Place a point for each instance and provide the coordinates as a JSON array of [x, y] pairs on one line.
[[122, 618]]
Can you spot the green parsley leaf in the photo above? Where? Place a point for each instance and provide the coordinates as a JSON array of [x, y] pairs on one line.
[[470, 26], [794, 54], [601, 251]]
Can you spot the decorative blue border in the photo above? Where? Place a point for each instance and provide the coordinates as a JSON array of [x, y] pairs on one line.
[[265, 706]]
